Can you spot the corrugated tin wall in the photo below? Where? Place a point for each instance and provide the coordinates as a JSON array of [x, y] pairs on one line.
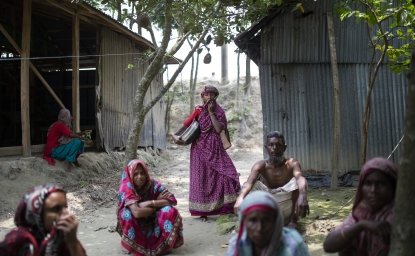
[[119, 78], [296, 88]]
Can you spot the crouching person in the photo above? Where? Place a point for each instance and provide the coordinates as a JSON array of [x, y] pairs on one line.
[[44, 226]]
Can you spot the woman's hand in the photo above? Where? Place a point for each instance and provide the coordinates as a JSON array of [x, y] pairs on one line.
[[211, 106], [68, 225], [177, 139]]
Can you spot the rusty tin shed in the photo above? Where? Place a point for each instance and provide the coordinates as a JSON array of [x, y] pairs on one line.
[[291, 49]]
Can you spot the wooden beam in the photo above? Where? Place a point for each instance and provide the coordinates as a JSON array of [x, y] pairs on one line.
[[18, 150], [32, 67], [24, 77], [75, 73]]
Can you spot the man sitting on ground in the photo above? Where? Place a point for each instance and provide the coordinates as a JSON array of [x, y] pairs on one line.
[[282, 178]]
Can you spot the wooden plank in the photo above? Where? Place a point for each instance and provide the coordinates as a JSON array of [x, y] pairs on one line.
[[75, 73], [24, 76]]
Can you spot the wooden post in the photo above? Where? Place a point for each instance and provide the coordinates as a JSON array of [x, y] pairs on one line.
[[24, 77], [75, 73], [336, 102]]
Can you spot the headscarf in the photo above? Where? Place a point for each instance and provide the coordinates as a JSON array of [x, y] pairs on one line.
[[131, 169], [65, 116], [128, 193], [29, 215], [262, 201], [210, 88], [368, 243], [377, 164]]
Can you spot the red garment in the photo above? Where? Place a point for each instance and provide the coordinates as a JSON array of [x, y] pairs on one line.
[[19, 240], [55, 131], [194, 115], [30, 238], [157, 234]]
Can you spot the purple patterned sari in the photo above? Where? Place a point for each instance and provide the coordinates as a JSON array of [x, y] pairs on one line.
[[214, 182]]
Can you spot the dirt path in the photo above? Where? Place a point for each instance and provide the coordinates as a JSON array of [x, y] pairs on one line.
[[201, 238]]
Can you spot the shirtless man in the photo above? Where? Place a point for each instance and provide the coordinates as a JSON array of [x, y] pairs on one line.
[[282, 178]]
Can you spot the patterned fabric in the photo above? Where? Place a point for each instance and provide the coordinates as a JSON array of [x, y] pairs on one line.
[[214, 182], [368, 243], [29, 237], [284, 241], [156, 234]]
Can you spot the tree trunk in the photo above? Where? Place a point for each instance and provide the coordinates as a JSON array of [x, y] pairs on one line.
[[191, 94], [238, 68], [247, 87], [403, 229], [193, 87], [336, 103], [169, 103], [139, 111], [225, 78]]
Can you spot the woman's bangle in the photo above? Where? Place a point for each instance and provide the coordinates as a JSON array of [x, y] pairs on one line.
[[154, 204]]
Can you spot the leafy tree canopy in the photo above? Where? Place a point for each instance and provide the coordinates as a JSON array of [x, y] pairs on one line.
[[191, 16], [391, 24]]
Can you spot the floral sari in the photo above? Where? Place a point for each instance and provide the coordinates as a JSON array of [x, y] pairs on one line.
[[156, 234]]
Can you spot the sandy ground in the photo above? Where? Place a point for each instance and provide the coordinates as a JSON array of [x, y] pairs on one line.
[[94, 204], [97, 222]]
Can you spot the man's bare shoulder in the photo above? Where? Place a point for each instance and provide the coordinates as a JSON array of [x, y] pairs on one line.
[[292, 162], [259, 165]]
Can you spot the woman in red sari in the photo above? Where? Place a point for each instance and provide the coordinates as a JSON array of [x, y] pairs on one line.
[[367, 230], [147, 221], [61, 142], [214, 181]]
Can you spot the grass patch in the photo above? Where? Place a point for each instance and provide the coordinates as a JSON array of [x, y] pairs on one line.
[[328, 208]]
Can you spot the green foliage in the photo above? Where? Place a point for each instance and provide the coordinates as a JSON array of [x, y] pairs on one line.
[[392, 26], [192, 16]]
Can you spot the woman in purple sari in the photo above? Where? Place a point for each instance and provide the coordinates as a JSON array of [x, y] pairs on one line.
[[147, 221], [214, 182], [367, 229]]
